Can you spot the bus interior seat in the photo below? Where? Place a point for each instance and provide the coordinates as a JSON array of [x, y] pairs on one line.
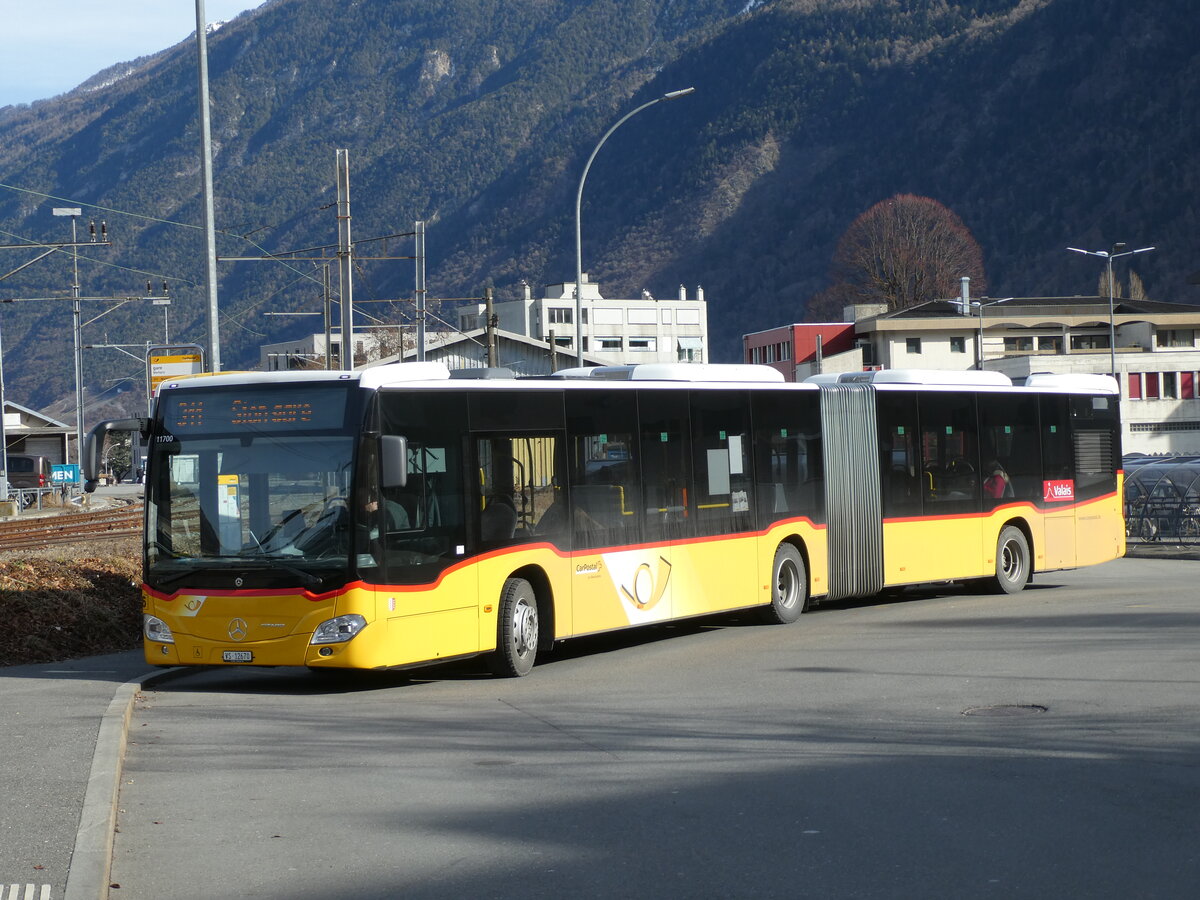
[[498, 521]]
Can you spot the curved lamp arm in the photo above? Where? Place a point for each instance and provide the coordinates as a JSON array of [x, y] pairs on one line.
[[670, 95]]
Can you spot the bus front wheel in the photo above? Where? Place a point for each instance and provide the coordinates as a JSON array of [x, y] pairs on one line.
[[516, 630], [1012, 561], [789, 587]]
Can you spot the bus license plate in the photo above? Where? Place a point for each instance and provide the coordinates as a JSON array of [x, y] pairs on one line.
[[237, 656]]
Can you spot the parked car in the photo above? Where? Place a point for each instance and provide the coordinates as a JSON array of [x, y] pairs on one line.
[[28, 471]]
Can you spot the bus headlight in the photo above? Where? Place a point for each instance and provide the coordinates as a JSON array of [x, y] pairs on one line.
[[156, 629], [339, 630]]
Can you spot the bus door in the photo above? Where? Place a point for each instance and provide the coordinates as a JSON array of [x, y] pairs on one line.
[[518, 519], [1058, 484], [951, 484], [617, 577], [667, 505], [717, 569]]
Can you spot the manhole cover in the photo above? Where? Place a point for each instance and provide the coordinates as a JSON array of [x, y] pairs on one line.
[[1003, 710]]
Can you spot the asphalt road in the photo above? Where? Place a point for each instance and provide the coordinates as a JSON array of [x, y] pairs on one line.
[[830, 758]]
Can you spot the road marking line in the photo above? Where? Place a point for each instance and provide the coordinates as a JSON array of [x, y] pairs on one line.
[[31, 892]]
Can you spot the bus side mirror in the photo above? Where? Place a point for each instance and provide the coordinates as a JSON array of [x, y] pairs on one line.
[[93, 446], [393, 454]]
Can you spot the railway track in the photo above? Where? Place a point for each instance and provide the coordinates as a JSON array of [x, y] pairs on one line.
[[34, 533]]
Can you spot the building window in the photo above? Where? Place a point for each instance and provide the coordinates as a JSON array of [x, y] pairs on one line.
[[912, 345], [1050, 344], [1018, 344], [642, 344], [1135, 385], [958, 345], [560, 315], [1176, 337], [642, 316], [666, 317], [1187, 385], [1089, 342], [607, 316], [560, 341], [687, 317], [1151, 385], [609, 343], [1170, 386], [690, 349]]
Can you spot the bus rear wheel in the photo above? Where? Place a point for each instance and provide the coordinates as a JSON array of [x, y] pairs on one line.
[[789, 587], [516, 630], [1012, 561]]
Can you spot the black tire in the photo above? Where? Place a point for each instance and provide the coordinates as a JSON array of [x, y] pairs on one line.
[[789, 587], [1012, 561], [516, 630]]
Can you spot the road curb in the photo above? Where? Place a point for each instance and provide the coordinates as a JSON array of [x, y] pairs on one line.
[[91, 860]]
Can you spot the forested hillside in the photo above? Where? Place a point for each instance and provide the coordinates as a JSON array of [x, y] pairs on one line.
[[1042, 123]]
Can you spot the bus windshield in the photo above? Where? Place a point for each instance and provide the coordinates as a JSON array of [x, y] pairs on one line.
[[253, 486]]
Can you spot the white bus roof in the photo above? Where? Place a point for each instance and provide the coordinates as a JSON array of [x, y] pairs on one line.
[[695, 372], [965, 377]]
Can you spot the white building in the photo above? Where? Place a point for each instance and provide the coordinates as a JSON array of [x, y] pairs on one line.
[[615, 332], [1157, 352], [308, 352]]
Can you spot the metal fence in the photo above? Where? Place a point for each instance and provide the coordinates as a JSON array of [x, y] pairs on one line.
[[1162, 499]]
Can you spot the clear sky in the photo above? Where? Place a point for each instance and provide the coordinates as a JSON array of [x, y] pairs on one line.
[[48, 47]]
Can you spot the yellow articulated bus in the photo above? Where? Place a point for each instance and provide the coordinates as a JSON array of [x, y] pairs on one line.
[[403, 515]]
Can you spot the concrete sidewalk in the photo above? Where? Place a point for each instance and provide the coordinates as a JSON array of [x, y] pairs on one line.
[[50, 718]]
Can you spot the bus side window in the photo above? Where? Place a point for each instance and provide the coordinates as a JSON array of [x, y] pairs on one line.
[[517, 482], [665, 448], [949, 452], [603, 469], [721, 461], [900, 472], [787, 464]]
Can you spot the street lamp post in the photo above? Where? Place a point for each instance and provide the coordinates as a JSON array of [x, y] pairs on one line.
[[979, 307], [1118, 250], [670, 95]]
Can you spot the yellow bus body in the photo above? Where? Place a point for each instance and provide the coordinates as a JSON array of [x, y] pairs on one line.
[[602, 590]]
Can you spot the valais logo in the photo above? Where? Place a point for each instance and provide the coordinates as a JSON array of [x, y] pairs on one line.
[[1053, 491]]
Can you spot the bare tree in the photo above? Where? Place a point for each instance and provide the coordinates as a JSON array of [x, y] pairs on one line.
[[1118, 289], [903, 251], [1135, 291]]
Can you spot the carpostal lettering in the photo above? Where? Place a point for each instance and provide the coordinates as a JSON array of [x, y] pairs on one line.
[[590, 568], [1058, 491]]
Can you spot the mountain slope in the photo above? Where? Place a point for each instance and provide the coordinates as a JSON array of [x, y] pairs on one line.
[[1042, 123]]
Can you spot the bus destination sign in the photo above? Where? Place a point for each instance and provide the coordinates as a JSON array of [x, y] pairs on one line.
[[263, 410]]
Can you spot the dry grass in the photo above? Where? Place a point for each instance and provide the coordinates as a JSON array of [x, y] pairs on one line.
[[71, 601]]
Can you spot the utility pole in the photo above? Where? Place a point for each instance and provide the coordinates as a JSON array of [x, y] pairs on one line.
[[76, 318], [210, 229], [419, 231], [490, 326], [344, 253], [328, 324]]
